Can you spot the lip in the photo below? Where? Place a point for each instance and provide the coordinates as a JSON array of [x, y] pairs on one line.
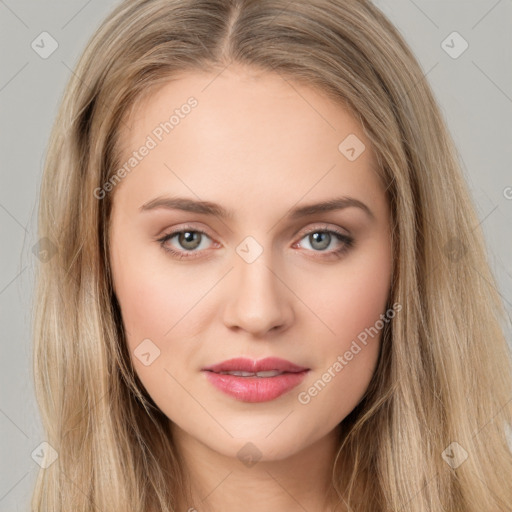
[[250, 365], [255, 389]]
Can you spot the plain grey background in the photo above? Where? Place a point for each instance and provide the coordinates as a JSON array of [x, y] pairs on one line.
[[474, 91]]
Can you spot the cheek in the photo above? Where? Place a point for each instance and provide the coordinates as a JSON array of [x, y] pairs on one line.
[[351, 299], [162, 305], [149, 303], [154, 312], [346, 360], [152, 295]]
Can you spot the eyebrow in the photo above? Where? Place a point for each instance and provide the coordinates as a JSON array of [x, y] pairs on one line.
[[209, 208]]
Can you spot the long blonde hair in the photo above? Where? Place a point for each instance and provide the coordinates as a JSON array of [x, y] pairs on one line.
[[444, 373]]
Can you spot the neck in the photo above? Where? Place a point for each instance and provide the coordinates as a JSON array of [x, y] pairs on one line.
[[218, 483]]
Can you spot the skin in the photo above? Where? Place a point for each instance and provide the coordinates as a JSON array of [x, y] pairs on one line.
[[258, 145]]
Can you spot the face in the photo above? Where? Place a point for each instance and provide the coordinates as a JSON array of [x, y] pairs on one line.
[[215, 256]]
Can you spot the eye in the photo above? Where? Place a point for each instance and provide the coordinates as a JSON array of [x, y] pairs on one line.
[[320, 240], [188, 240]]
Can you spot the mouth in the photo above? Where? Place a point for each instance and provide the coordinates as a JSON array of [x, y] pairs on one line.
[[255, 381]]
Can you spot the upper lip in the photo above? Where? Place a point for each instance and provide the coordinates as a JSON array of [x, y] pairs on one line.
[[250, 365]]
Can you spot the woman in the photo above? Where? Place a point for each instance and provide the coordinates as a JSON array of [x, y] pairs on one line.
[[270, 288]]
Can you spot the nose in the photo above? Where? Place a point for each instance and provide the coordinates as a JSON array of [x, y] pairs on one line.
[[259, 299]]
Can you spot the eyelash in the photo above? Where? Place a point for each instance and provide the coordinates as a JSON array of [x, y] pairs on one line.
[[347, 241]]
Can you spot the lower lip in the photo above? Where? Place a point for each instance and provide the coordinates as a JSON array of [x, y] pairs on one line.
[[255, 389]]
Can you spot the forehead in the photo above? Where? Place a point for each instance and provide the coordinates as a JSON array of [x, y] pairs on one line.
[[255, 105], [250, 131]]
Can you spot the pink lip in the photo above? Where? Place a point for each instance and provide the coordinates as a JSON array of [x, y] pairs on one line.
[[255, 389], [250, 365]]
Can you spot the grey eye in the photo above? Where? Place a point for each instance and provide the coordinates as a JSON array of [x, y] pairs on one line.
[[189, 239], [320, 240]]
